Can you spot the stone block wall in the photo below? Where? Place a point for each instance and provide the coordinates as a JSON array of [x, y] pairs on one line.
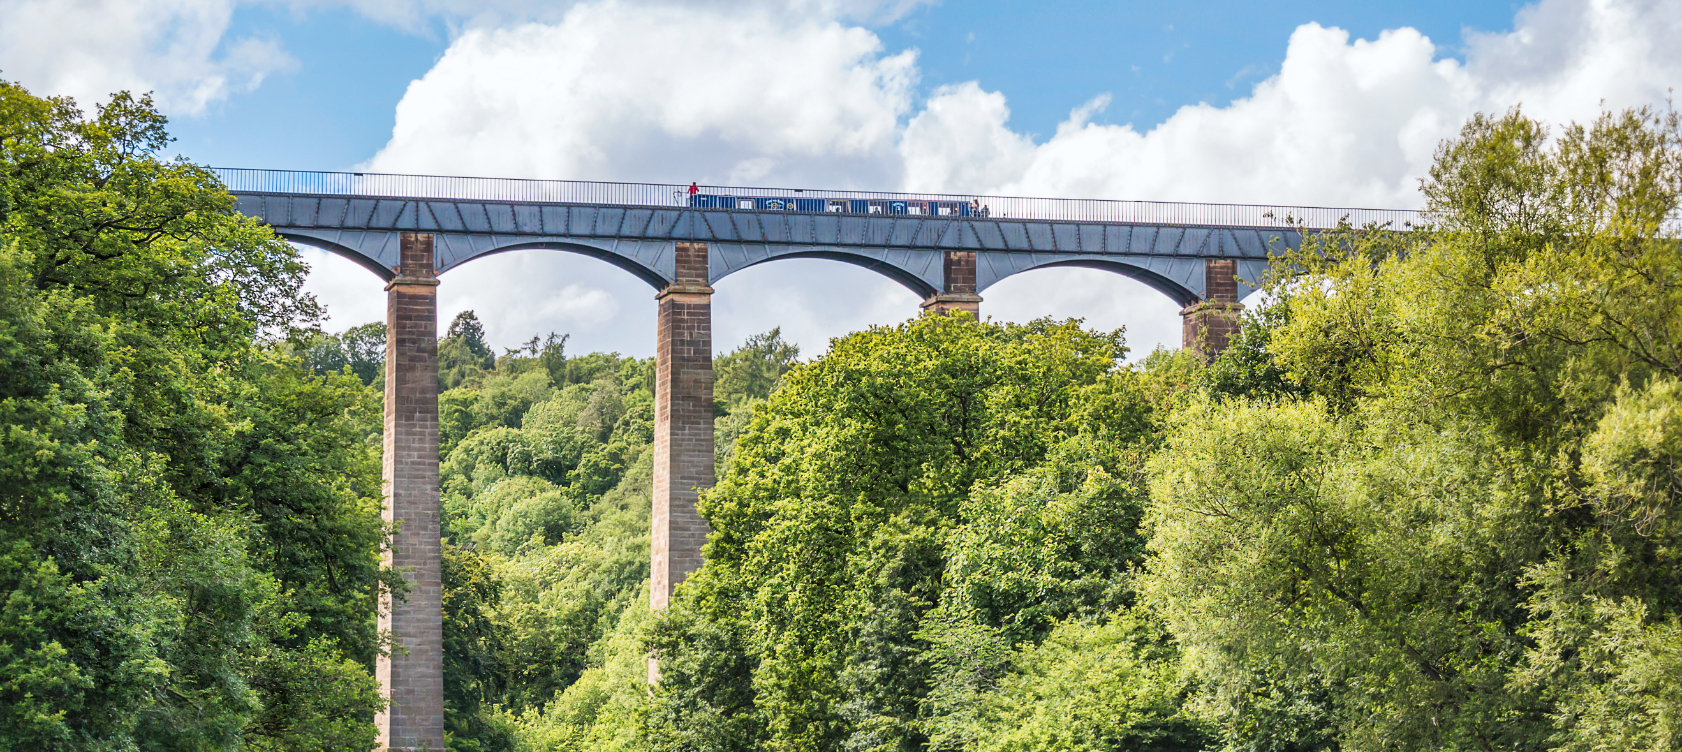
[[683, 423], [412, 677], [1207, 326], [958, 268]]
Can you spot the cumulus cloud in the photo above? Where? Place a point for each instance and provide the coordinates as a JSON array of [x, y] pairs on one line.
[[1344, 122], [754, 93], [516, 295], [802, 92], [180, 49], [582, 303], [1337, 126], [960, 142], [1564, 57], [176, 48], [661, 94]]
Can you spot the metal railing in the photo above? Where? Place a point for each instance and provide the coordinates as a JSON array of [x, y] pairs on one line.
[[438, 187]]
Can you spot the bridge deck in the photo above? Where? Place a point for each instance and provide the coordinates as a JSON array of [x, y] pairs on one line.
[[901, 235], [659, 195]]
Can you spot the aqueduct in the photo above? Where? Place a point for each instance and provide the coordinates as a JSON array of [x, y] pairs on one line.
[[680, 240]]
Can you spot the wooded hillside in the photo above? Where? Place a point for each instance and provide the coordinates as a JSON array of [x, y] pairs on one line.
[[1426, 500]]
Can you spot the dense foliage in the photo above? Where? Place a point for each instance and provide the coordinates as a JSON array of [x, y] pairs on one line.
[[188, 519], [1425, 500], [899, 516], [1433, 505], [972, 491], [547, 477]]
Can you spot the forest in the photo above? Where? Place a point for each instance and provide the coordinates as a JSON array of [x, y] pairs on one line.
[[1427, 499]]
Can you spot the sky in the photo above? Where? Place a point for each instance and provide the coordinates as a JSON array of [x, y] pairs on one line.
[[1307, 103]]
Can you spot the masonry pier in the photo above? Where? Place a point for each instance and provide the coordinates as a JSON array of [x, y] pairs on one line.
[[412, 676], [1209, 324], [958, 274], [683, 423]]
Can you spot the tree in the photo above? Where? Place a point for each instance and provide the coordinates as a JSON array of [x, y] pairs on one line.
[[359, 348], [546, 487], [1246, 368], [751, 371], [1457, 534], [473, 649], [837, 527], [1093, 687], [176, 486], [463, 352]]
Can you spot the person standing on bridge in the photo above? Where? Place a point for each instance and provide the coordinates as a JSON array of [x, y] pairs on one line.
[[694, 189]]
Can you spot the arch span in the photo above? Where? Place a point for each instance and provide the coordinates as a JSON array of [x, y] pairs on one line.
[[1103, 299], [914, 275], [338, 249], [1181, 294], [377, 250], [653, 277]]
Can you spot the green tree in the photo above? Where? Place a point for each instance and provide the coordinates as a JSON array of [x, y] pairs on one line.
[[359, 348], [473, 650], [177, 486], [836, 523], [1246, 368], [546, 484], [1093, 687], [1462, 536], [463, 352], [751, 371]]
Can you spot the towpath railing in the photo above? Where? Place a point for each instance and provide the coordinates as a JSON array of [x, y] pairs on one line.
[[438, 187]]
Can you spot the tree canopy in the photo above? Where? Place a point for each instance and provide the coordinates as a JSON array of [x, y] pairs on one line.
[[188, 532], [1456, 529], [1425, 500]]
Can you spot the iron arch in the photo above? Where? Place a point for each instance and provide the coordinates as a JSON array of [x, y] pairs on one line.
[[653, 277], [918, 286], [340, 250], [1180, 294]]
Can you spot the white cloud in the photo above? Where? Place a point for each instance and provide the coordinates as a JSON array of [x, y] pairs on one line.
[[755, 93], [811, 299], [1344, 123], [519, 295], [960, 139], [659, 94], [1105, 300], [180, 50], [91, 48], [1332, 128], [353, 295], [1565, 57]]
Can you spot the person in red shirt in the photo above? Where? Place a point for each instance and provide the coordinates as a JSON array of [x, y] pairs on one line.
[[694, 189]]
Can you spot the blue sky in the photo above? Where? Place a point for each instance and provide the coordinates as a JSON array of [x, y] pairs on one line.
[[1153, 57], [334, 110], [1312, 103]]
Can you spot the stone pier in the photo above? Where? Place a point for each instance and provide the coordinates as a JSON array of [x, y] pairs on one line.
[[683, 424], [959, 295], [412, 676], [1207, 326]]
